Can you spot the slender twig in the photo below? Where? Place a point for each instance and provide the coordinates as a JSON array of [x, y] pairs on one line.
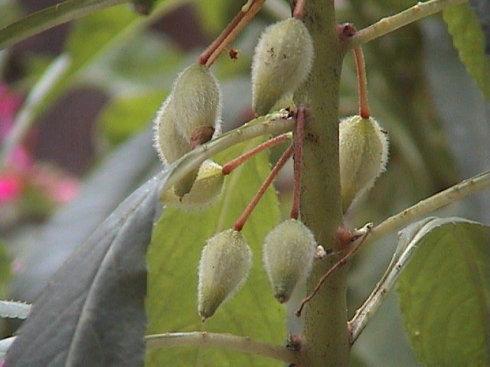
[[240, 222], [14, 310], [246, 14], [233, 164], [299, 138], [379, 293], [225, 341], [34, 100], [5, 345], [361, 82], [392, 23], [359, 240], [50, 17]]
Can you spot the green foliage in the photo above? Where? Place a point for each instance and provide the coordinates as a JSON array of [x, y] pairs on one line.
[[445, 293], [125, 116], [4, 270], [470, 41], [173, 259]]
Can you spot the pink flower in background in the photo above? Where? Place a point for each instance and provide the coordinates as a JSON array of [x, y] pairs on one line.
[[21, 171]]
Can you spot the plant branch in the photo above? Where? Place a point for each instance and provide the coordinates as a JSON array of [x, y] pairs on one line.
[[233, 164], [392, 23], [36, 97], [271, 124], [299, 138], [226, 341], [373, 302], [14, 310], [246, 14], [50, 17], [362, 89], [240, 222], [451, 195]]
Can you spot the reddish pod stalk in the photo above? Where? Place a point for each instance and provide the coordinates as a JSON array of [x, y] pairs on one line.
[[330, 271], [235, 163], [299, 138], [240, 222], [361, 83], [231, 31], [299, 9]]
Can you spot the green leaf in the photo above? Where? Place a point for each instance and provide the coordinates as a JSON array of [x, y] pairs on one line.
[[4, 269], [173, 259], [470, 42], [50, 17], [445, 293], [125, 116]]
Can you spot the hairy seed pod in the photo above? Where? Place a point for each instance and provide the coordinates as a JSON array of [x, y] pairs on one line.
[[197, 101], [206, 189], [170, 145], [281, 63], [225, 263], [288, 256], [363, 154]]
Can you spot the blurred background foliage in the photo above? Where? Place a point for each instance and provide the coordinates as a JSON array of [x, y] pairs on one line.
[[90, 144]]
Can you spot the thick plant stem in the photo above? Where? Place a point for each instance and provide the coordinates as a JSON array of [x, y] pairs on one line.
[[326, 341]]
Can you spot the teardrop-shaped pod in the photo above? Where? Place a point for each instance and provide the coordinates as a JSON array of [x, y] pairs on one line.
[[288, 256], [363, 153], [225, 262], [197, 101], [281, 63], [205, 191]]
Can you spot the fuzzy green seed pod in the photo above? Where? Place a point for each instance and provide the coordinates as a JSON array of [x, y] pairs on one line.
[[197, 101], [206, 189], [281, 63], [288, 256], [225, 263], [170, 145], [363, 154]]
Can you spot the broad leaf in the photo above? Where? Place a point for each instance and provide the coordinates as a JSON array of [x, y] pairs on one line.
[[445, 293], [173, 258], [91, 313], [69, 227], [469, 40]]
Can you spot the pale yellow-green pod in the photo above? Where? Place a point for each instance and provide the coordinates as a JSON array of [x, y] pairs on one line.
[[363, 153], [288, 257], [205, 191], [225, 262], [170, 144], [281, 63], [197, 101]]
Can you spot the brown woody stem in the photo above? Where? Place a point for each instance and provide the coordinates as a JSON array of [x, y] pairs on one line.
[[231, 31], [240, 222]]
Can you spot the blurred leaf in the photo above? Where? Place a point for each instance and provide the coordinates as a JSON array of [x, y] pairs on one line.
[[50, 17], [125, 116], [115, 177], [470, 41], [146, 62], [92, 310], [215, 14], [482, 10], [10, 10], [4, 270], [173, 258], [445, 293]]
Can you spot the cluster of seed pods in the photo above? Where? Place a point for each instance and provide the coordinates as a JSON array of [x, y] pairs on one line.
[[191, 116]]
